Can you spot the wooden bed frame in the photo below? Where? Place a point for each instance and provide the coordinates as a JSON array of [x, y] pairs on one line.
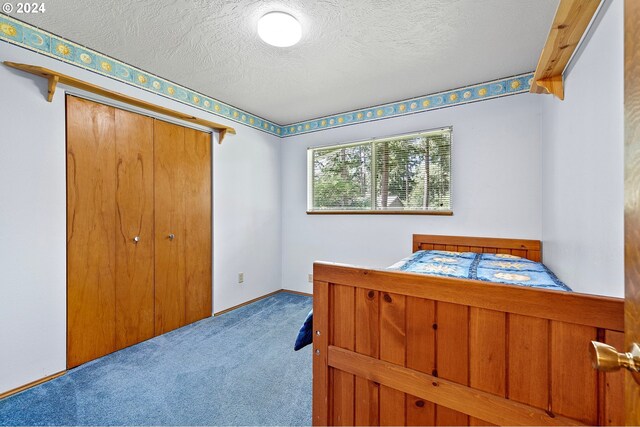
[[396, 348]]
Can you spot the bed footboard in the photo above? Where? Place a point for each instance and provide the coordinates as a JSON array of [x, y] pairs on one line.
[[395, 348]]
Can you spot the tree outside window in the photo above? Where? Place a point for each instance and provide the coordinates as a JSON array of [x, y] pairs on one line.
[[402, 173]]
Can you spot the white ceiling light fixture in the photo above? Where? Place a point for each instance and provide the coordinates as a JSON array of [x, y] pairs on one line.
[[279, 29]]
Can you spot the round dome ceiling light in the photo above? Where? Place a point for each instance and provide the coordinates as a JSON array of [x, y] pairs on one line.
[[279, 29]]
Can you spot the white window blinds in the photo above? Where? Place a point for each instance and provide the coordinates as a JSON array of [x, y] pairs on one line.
[[402, 173]]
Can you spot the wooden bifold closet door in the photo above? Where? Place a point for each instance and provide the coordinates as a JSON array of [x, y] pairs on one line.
[[132, 181], [134, 221], [183, 226]]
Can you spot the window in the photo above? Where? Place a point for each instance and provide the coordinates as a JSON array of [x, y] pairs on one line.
[[402, 174]]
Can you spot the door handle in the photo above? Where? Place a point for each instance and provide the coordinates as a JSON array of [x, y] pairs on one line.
[[606, 358], [171, 236], [136, 239]]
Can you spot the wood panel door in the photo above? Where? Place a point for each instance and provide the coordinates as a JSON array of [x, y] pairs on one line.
[[139, 228], [134, 228], [632, 203], [607, 357], [170, 239], [91, 222], [197, 194], [182, 163]]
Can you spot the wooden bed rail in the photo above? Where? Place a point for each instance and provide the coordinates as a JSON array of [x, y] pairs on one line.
[[442, 392], [582, 309], [396, 348]]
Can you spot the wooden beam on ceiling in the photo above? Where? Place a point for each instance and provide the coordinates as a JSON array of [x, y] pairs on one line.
[[55, 77], [569, 25]]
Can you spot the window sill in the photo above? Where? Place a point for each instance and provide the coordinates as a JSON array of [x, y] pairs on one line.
[[437, 213]]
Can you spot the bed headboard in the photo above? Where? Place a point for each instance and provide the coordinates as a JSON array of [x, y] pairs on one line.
[[530, 249]]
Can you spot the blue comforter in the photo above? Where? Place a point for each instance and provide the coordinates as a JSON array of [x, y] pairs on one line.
[[496, 268]]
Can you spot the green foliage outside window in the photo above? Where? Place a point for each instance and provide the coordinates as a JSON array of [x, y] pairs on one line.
[[411, 172]]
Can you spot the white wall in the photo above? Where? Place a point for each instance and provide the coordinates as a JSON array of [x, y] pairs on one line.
[[523, 166], [496, 188], [583, 167], [247, 218]]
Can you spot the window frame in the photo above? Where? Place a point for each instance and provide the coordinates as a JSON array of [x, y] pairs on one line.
[[372, 210]]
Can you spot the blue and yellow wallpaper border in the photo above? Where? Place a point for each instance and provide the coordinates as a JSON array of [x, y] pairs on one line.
[[464, 95], [21, 34], [24, 35]]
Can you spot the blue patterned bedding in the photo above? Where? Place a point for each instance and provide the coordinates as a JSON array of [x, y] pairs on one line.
[[496, 268]]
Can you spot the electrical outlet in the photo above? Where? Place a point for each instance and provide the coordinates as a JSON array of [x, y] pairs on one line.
[[311, 278], [240, 277]]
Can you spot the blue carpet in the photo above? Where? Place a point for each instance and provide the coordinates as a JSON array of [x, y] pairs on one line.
[[235, 369]]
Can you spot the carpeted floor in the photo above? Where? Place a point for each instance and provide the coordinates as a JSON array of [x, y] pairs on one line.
[[235, 369]]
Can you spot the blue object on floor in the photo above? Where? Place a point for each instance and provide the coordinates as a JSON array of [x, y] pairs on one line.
[[234, 369], [305, 336]]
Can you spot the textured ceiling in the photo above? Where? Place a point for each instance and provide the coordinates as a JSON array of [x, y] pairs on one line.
[[353, 53]]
